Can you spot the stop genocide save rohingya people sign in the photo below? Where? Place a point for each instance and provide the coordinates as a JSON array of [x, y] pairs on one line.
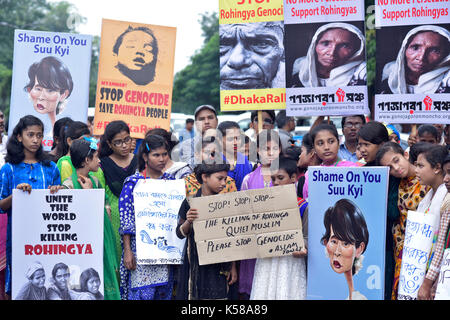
[[135, 76]]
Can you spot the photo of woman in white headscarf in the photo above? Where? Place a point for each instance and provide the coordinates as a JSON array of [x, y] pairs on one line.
[[34, 289], [422, 64], [335, 57]]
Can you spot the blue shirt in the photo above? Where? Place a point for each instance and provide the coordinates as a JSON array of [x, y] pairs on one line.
[[345, 154], [37, 175], [242, 168]]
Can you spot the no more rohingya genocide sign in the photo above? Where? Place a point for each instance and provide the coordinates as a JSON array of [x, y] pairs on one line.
[[247, 224]]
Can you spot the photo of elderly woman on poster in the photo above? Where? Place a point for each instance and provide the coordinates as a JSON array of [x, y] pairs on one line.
[[49, 86], [34, 289], [422, 63], [335, 56], [346, 238]]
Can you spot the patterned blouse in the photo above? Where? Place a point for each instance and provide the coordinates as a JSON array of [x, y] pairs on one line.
[[410, 193], [144, 276], [192, 185]]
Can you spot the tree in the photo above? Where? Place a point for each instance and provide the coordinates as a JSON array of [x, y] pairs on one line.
[[198, 83]]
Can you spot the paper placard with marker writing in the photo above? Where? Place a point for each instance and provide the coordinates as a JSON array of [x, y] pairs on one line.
[[156, 204], [247, 224]]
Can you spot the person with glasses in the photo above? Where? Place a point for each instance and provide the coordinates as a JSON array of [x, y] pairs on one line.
[[117, 163], [350, 129]]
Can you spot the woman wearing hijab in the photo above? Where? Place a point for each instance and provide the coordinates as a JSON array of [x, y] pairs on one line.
[[422, 64], [34, 289], [336, 57]]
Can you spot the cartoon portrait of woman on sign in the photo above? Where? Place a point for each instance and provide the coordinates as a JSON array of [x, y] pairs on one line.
[[49, 86], [346, 238]]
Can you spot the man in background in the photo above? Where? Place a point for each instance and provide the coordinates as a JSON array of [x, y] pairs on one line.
[[285, 126], [188, 131]]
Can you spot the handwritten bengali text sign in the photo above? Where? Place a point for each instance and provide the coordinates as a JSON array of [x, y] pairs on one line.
[[419, 233], [443, 286], [156, 204]]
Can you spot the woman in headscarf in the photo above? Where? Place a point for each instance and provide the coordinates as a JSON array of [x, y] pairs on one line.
[[422, 64], [336, 57], [34, 289]]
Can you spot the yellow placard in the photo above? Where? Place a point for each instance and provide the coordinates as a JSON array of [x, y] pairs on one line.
[[248, 11], [135, 76], [256, 99]]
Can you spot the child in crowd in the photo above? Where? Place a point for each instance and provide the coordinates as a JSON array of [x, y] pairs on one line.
[[268, 146], [443, 241], [371, 137], [209, 152], [84, 157], [232, 140], [138, 281], [325, 139], [283, 278], [27, 167], [117, 163], [73, 131], [212, 281], [308, 157], [177, 169], [407, 197], [429, 170]]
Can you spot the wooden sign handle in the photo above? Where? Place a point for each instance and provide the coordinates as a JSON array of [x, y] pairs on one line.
[[260, 121]]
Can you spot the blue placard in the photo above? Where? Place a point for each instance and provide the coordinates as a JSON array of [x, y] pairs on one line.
[[355, 201]]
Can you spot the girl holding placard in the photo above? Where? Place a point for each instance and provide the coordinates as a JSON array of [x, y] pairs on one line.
[[27, 167], [430, 171], [268, 146], [139, 281], [84, 158], [409, 193]]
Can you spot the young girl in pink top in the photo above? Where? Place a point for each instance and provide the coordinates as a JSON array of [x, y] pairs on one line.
[[326, 145]]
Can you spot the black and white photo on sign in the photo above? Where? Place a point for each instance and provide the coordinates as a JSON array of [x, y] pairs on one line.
[[413, 59], [325, 54], [252, 55]]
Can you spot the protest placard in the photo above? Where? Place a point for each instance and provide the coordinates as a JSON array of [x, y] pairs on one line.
[[419, 233], [325, 58], [52, 232], [156, 205], [412, 71], [256, 223], [251, 55], [50, 78], [346, 232], [443, 286], [135, 76]]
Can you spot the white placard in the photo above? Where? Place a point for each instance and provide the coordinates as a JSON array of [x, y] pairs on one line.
[[156, 205], [419, 234], [49, 229], [443, 286]]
